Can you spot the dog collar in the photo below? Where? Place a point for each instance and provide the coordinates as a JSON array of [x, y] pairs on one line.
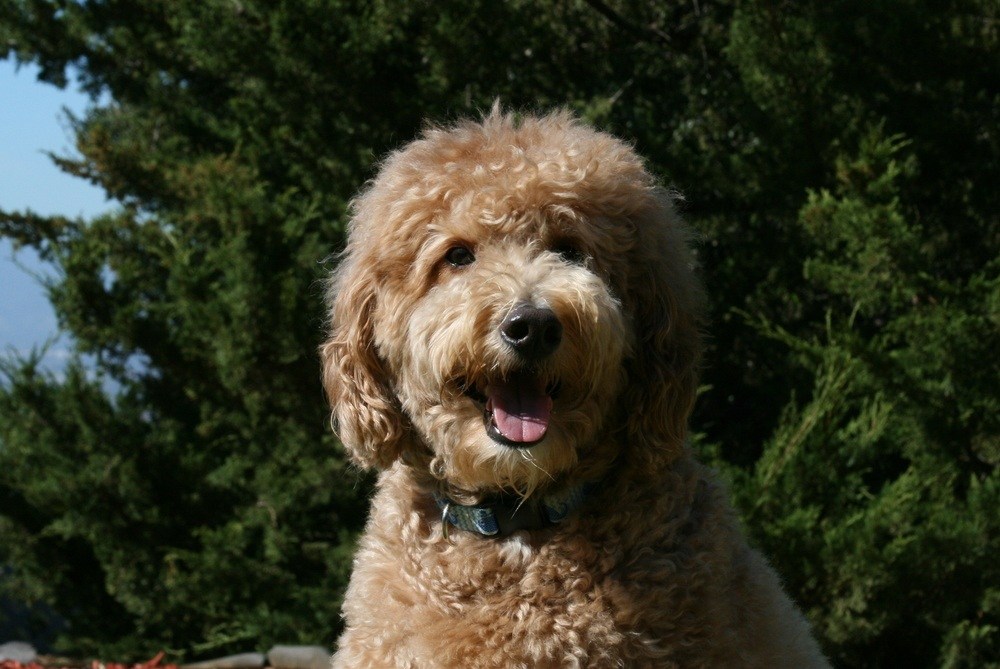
[[504, 514]]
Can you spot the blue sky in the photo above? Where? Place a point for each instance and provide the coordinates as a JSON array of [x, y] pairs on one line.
[[33, 121]]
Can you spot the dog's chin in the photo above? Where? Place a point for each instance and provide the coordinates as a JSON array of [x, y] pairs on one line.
[[488, 463]]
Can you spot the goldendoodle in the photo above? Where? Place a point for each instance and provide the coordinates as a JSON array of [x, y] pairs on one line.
[[514, 345]]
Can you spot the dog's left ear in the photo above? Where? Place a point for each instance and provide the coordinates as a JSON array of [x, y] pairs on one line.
[[365, 413], [664, 298]]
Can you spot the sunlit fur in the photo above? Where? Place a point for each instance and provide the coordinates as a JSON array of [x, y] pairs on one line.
[[652, 570]]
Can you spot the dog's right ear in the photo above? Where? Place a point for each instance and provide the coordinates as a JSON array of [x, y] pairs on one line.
[[365, 413], [665, 300]]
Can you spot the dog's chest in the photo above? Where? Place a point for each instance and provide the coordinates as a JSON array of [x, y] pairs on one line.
[[511, 571], [568, 597]]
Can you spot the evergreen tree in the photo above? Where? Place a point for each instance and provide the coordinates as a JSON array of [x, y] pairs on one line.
[[884, 461], [838, 159]]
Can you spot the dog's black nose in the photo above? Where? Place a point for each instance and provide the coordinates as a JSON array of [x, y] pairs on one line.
[[532, 331]]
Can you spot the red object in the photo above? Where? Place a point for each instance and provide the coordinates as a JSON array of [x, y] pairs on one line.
[[154, 663]]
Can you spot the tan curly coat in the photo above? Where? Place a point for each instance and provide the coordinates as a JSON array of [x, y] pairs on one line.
[[460, 228]]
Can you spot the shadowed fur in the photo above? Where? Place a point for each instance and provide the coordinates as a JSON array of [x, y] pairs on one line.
[[460, 229]]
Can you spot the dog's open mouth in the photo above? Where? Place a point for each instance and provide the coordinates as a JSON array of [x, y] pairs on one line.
[[518, 408]]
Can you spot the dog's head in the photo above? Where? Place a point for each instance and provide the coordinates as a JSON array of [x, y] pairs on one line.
[[515, 302]]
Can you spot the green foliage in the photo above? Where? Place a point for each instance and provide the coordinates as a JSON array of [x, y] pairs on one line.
[[886, 470], [838, 158]]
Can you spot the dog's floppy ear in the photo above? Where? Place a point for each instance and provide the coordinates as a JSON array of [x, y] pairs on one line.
[[665, 300], [365, 413]]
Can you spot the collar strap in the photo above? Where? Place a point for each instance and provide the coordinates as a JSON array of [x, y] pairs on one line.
[[504, 514]]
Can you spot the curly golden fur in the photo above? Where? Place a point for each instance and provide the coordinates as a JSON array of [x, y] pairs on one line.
[[431, 384]]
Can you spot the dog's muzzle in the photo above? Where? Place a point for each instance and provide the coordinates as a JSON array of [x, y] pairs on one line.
[[519, 405]]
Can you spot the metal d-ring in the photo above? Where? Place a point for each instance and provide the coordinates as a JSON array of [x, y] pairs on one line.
[[445, 522]]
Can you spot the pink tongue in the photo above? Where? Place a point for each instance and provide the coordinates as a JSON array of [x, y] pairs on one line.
[[520, 407]]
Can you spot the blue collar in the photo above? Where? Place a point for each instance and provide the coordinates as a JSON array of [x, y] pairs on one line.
[[503, 514]]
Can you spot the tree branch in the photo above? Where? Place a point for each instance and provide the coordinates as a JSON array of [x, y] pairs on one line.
[[626, 25]]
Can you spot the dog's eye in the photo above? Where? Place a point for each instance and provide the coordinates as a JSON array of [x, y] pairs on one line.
[[569, 253], [459, 256]]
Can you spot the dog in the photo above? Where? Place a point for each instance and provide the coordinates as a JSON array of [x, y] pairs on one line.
[[514, 341]]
